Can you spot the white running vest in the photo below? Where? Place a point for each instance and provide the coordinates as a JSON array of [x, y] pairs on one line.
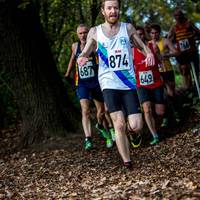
[[116, 69]]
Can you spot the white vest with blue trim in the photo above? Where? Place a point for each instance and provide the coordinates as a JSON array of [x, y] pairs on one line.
[[116, 69]]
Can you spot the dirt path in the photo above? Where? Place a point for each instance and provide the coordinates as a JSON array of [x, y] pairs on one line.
[[169, 170]]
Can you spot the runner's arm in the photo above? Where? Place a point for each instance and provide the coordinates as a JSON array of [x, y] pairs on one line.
[[150, 60], [72, 60], [171, 34], [172, 50], [155, 49], [89, 47]]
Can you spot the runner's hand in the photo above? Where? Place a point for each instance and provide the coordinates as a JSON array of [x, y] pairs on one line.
[[82, 60], [150, 59], [66, 75]]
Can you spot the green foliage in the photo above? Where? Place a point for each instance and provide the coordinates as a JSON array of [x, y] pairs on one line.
[[71, 92], [60, 19], [23, 5], [161, 12], [198, 108], [8, 108]]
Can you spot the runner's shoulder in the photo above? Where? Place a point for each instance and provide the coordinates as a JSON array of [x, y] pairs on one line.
[[131, 30], [74, 47], [92, 32]]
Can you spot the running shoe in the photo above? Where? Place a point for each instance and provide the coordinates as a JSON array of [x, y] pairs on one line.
[[88, 144], [109, 142], [164, 122], [128, 165], [154, 141], [135, 139], [112, 132], [106, 135], [177, 118], [102, 131]]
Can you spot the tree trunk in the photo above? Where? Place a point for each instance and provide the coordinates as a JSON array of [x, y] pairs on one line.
[[34, 79], [94, 7]]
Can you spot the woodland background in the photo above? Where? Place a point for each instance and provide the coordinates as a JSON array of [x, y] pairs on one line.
[[36, 38], [38, 105]]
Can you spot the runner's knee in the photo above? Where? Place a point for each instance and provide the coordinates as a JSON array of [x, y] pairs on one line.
[[136, 125], [160, 111], [86, 112], [185, 70], [119, 126], [147, 111], [100, 114], [147, 107]]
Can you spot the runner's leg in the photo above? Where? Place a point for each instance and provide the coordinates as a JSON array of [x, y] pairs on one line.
[[86, 123], [120, 134]]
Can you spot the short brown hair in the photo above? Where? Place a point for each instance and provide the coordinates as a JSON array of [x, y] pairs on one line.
[[140, 28], [103, 2], [156, 27]]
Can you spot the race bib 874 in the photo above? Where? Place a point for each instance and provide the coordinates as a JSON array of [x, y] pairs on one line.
[[118, 60]]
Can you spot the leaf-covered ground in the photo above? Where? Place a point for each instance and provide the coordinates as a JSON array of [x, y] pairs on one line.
[[63, 170]]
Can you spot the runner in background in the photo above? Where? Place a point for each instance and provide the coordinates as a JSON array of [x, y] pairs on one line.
[[86, 81], [184, 33], [167, 50], [149, 86]]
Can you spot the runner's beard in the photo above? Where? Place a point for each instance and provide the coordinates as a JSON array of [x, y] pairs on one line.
[[113, 21]]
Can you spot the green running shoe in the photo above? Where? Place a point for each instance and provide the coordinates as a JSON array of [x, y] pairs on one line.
[[164, 122], [106, 135], [112, 132], [88, 144], [109, 142], [177, 118], [154, 141], [102, 131]]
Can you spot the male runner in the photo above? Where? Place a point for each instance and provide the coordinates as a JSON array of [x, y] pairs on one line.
[[167, 50], [116, 72], [184, 33], [149, 87], [88, 88]]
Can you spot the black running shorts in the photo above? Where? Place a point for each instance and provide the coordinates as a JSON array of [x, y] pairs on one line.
[[124, 100]]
